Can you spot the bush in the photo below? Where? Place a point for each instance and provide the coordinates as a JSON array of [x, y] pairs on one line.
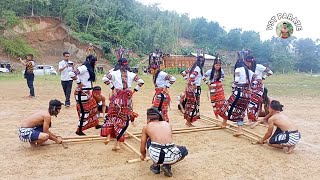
[[16, 46], [175, 70]]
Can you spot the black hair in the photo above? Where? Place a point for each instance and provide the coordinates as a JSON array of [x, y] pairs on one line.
[[254, 63], [89, 63], [265, 96], [96, 88], [154, 114], [213, 70], [31, 55], [197, 63], [284, 23], [276, 105], [53, 106], [66, 52]]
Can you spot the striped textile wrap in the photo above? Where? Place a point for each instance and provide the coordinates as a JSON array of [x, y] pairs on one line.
[[192, 112], [217, 96], [255, 101], [164, 154], [165, 103], [286, 138], [119, 113], [234, 108], [87, 109]]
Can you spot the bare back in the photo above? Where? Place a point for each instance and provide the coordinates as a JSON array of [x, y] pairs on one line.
[[36, 119], [282, 121], [159, 132]]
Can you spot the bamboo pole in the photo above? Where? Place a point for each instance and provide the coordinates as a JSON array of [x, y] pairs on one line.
[[132, 135], [137, 160], [232, 125], [83, 140], [248, 136], [81, 137], [196, 130], [132, 148]]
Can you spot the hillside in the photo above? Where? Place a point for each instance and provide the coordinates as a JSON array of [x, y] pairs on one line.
[[50, 37]]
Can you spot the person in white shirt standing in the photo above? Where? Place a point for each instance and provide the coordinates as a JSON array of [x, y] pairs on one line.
[[87, 107], [162, 82], [255, 104], [66, 66], [120, 111], [193, 90], [234, 108]]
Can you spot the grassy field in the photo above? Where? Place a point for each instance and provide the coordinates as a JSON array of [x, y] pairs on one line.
[[297, 84]]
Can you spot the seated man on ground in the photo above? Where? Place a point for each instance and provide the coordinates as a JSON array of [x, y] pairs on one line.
[[101, 103], [157, 135], [286, 134], [35, 128]]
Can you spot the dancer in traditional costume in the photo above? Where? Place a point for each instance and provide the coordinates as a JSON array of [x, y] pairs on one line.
[[234, 108], [35, 128], [193, 91], [120, 109], [157, 136], [255, 104], [286, 134], [87, 108], [162, 82], [216, 76]]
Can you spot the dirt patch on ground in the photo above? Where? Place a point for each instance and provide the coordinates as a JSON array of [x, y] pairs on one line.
[[213, 154]]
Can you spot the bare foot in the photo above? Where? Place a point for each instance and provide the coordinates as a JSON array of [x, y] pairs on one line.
[[290, 149], [223, 126], [106, 141], [253, 125], [189, 124], [237, 134], [116, 148]]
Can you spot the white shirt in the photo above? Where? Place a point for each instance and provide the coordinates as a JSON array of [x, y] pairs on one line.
[[164, 79], [197, 75], [260, 69], [208, 74], [83, 76], [116, 79], [65, 73], [241, 76]]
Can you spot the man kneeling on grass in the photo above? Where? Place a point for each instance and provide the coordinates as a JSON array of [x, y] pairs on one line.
[[157, 135], [35, 128], [286, 134]]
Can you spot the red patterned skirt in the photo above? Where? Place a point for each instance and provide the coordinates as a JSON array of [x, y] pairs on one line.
[[87, 110], [255, 101], [119, 113], [234, 108], [162, 99], [192, 111], [216, 96]]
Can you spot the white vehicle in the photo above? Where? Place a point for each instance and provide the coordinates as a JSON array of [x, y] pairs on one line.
[[4, 70], [44, 70]]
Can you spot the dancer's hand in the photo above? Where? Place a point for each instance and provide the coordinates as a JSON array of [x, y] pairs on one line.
[[59, 140], [260, 142], [142, 157]]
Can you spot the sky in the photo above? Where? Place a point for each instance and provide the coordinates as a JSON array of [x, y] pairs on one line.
[[248, 14]]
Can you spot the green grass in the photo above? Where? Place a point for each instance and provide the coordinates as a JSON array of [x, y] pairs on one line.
[[289, 85]]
